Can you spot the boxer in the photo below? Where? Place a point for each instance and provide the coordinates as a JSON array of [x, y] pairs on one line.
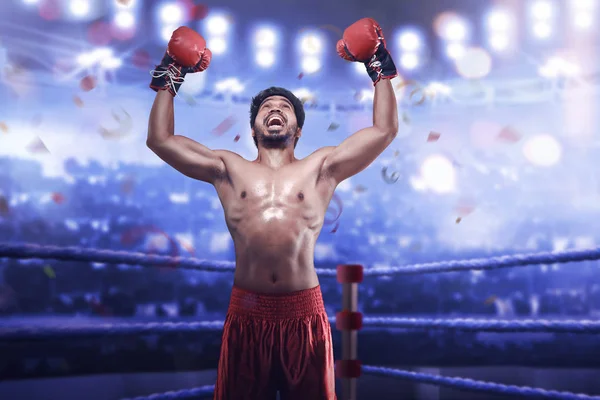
[[276, 336]]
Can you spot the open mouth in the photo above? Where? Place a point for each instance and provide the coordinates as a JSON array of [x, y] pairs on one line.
[[275, 122]]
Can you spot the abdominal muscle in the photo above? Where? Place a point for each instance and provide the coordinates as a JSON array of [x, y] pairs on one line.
[[275, 250]]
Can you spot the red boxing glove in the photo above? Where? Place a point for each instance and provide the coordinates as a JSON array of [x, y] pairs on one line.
[[363, 41], [186, 53]]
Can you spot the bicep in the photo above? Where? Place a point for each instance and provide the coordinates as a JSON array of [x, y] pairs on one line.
[[191, 158], [356, 153]]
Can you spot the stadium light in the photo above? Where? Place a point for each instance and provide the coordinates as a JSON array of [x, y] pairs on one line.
[[311, 44], [171, 14], [230, 85], [124, 19], [265, 38], [455, 50], [582, 12], [409, 41], [455, 31], [500, 29], [265, 58], [79, 8], [217, 25], [409, 61], [543, 17], [311, 64], [217, 45], [167, 31]]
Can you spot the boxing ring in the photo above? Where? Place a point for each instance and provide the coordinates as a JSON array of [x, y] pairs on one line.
[[348, 321]]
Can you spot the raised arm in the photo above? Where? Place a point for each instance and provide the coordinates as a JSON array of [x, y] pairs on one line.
[[363, 42], [186, 53], [185, 155]]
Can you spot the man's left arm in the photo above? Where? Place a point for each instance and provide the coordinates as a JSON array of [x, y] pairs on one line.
[[363, 42], [359, 150]]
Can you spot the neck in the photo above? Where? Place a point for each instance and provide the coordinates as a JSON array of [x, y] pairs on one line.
[[275, 158]]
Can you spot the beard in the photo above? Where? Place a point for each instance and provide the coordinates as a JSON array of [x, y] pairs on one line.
[[275, 138]]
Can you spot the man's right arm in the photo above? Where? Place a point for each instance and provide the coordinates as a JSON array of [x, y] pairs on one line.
[[185, 155]]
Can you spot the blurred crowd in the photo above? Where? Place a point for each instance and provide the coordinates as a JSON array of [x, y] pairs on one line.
[[154, 210]]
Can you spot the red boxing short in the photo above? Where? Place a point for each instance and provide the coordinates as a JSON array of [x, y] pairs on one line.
[[276, 342]]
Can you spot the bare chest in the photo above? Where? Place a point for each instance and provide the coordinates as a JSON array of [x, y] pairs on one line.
[[274, 194], [291, 193]]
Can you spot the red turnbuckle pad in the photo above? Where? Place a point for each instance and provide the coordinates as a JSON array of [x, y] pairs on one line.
[[347, 368], [348, 320], [350, 273]]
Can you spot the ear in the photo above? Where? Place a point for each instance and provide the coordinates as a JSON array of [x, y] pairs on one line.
[[298, 132]]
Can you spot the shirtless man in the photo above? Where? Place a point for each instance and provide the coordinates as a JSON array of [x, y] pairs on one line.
[[276, 335]]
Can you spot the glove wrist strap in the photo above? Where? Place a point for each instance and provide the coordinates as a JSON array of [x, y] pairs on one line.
[[381, 65], [167, 78]]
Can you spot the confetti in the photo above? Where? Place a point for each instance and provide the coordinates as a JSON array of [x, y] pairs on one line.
[[396, 153], [187, 246], [360, 189], [141, 59], [458, 220], [199, 12], [421, 100], [124, 3], [509, 134], [78, 102], [3, 127], [4, 209], [236, 138], [339, 206], [189, 99], [418, 89], [57, 198], [121, 33], [332, 127], [128, 185], [405, 118], [332, 28], [137, 235], [224, 126], [99, 308], [125, 126], [87, 83], [99, 33], [491, 300], [335, 228], [49, 272], [37, 146], [50, 9], [393, 178], [464, 207], [433, 136], [301, 75]]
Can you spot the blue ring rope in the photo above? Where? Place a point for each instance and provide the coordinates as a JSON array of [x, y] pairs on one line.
[[194, 393], [21, 332], [13, 250], [465, 384], [487, 325], [472, 385]]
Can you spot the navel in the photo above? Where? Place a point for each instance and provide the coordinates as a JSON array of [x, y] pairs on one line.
[[244, 194], [301, 196]]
